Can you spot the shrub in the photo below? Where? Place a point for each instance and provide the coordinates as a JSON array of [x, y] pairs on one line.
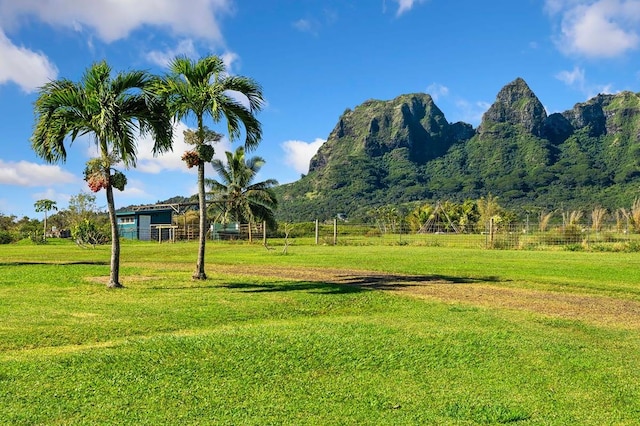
[[37, 238], [632, 246], [373, 232], [86, 232], [7, 237], [570, 234]]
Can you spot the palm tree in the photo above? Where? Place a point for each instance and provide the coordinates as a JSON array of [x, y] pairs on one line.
[[488, 208], [420, 216], [112, 110], [202, 89], [235, 196], [45, 206]]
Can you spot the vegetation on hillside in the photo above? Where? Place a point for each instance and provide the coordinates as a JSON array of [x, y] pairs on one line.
[[403, 150]]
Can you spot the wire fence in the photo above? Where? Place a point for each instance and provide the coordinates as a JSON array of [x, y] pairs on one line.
[[512, 236]]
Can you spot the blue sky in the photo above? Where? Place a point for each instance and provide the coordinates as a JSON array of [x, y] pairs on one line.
[[313, 58]]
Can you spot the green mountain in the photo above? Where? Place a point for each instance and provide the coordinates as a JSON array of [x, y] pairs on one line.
[[392, 152]]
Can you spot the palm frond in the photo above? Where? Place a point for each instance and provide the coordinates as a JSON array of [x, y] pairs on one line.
[[249, 88]]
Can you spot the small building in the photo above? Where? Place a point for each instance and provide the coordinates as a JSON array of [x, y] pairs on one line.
[[152, 224]]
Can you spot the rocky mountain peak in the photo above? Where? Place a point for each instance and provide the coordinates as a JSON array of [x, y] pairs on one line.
[[516, 104], [411, 122]]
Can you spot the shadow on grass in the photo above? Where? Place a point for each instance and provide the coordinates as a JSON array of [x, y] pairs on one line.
[[357, 283], [394, 281], [314, 287], [311, 287], [80, 262]]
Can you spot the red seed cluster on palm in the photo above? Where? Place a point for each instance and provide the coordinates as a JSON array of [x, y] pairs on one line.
[[191, 158], [97, 181]]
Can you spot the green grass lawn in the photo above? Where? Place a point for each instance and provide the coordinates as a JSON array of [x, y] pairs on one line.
[[255, 350]]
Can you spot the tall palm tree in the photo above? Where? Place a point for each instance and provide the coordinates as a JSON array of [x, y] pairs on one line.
[[203, 89], [235, 196], [112, 110]]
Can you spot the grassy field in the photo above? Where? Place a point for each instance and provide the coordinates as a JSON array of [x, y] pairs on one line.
[[395, 335]]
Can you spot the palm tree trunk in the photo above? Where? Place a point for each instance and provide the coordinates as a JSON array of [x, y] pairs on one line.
[[199, 274], [44, 232], [114, 278]]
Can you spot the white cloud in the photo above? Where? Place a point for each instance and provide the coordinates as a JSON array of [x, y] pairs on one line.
[[307, 26], [116, 19], [24, 173], [303, 25], [228, 59], [572, 78], [314, 25], [436, 90], [471, 112], [576, 79], [597, 28], [406, 5], [299, 153], [51, 194], [163, 58], [187, 48], [24, 67], [134, 189]]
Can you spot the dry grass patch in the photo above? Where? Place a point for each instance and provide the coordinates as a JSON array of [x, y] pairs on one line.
[[485, 292]]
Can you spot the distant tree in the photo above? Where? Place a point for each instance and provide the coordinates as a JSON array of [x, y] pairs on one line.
[[419, 216], [27, 226], [204, 89], [8, 233], [82, 206], [468, 215], [488, 208], [235, 196], [45, 206], [7, 222], [387, 218], [111, 109]]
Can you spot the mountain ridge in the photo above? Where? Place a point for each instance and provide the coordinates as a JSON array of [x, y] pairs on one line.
[[404, 150]]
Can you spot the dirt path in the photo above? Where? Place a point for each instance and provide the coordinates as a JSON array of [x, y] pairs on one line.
[[594, 309]]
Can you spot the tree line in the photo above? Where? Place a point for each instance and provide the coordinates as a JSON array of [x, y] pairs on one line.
[[82, 220], [471, 215]]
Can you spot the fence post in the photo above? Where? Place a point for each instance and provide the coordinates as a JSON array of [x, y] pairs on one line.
[[491, 233], [317, 233], [264, 233], [335, 231]]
